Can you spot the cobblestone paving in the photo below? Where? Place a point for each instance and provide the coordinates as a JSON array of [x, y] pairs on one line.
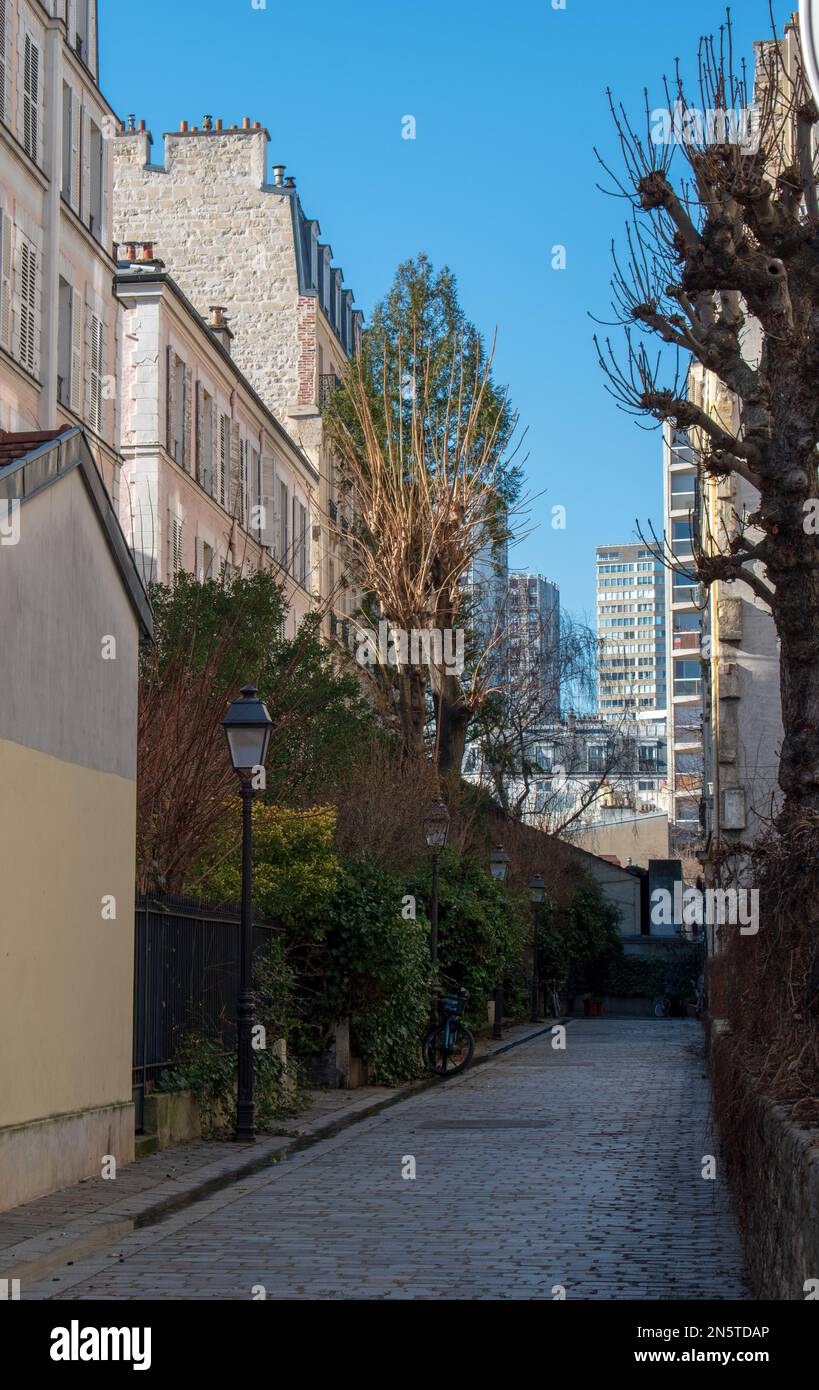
[[579, 1168]]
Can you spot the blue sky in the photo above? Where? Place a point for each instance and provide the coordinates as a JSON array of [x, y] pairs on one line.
[[509, 100]]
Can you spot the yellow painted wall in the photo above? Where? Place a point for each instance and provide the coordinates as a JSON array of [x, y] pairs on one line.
[[66, 974]]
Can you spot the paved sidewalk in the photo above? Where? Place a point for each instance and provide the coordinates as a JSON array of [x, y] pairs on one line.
[[63, 1227], [542, 1171]]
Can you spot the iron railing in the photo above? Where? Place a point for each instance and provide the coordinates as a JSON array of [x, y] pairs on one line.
[[186, 978], [328, 383]]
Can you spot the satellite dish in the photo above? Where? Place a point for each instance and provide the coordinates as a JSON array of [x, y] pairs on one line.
[[809, 35]]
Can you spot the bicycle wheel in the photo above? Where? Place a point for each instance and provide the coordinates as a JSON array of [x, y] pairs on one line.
[[447, 1050], [662, 1006]]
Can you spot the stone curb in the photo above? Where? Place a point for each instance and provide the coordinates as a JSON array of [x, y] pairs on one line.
[[96, 1231]]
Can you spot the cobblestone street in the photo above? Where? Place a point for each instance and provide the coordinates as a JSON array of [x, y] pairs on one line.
[[580, 1169]]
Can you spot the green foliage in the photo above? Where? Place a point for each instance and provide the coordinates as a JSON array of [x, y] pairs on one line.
[[231, 632], [373, 966], [416, 328], [634, 976], [481, 933], [295, 868], [594, 942]]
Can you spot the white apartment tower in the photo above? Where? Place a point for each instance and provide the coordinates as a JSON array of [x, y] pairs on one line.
[[631, 633]]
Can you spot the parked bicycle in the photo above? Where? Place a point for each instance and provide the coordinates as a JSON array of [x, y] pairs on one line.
[[700, 1001], [449, 1045], [552, 1000]]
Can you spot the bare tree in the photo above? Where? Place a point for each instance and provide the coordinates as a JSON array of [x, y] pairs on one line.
[[728, 243], [425, 494]]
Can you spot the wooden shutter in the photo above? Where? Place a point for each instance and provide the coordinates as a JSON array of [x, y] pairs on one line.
[[95, 406], [76, 175], [197, 443], [268, 502], [85, 165], [234, 490], [186, 421], [170, 402], [5, 278], [222, 491], [256, 490], [28, 295], [76, 352], [3, 62], [213, 462], [174, 545], [31, 98]]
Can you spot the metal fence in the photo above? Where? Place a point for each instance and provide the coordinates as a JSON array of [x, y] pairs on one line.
[[186, 978]]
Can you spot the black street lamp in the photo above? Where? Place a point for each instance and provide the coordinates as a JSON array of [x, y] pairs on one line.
[[537, 894], [247, 727], [499, 868], [436, 831]]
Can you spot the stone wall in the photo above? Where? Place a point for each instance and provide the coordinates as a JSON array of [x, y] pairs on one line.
[[774, 1178], [227, 237]]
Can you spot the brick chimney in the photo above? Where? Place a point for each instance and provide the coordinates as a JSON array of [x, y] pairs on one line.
[[218, 326]]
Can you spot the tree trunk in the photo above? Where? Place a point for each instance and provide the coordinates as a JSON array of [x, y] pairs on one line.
[[453, 718]]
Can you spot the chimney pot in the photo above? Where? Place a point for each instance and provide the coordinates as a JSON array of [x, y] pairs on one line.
[[207, 123], [245, 123], [278, 174], [142, 125], [147, 251], [131, 120], [183, 126], [219, 123], [219, 326]]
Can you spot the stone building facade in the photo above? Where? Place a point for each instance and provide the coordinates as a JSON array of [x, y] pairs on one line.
[[212, 482], [58, 316], [233, 233]]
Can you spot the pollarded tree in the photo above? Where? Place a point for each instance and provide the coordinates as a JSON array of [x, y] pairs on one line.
[[423, 435], [723, 247]]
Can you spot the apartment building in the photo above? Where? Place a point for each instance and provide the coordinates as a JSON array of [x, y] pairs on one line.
[[57, 311], [212, 483], [211, 198], [532, 654], [631, 633], [685, 607], [742, 708]]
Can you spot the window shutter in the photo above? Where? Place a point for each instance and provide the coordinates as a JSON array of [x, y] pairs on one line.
[[28, 298], [5, 278], [76, 177], [212, 464], [170, 402], [197, 444], [268, 502], [76, 352], [234, 491], [174, 545], [85, 165], [94, 348], [186, 422], [223, 480], [31, 98], [256, 490], [3, 63]]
